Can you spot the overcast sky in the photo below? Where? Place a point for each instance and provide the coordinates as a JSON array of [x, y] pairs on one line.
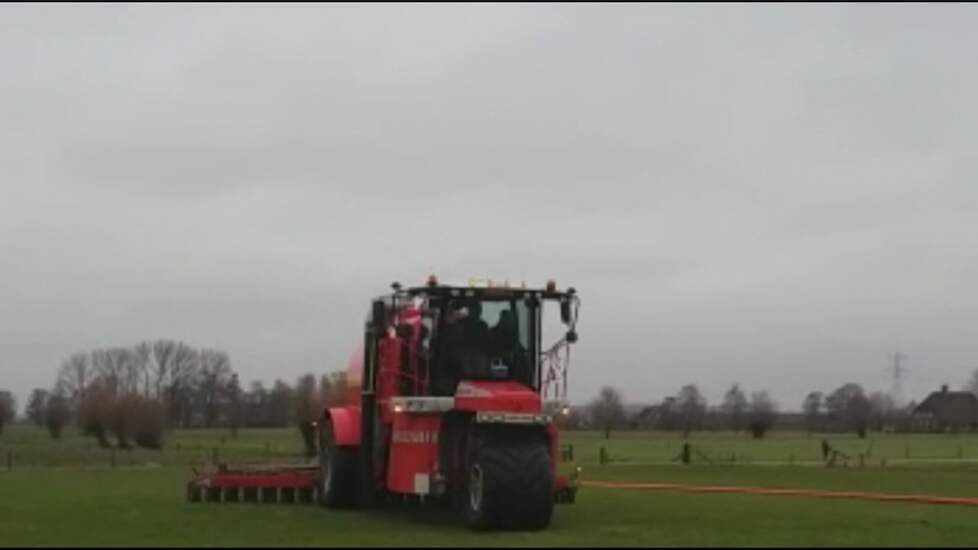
[[772, 195]]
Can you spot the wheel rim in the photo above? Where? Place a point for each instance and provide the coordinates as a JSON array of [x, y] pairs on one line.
[[475, 488]]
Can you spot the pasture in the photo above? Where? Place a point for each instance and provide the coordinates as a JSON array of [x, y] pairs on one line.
[[68, 493]]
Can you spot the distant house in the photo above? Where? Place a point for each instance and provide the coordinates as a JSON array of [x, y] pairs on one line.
[[943, 410]]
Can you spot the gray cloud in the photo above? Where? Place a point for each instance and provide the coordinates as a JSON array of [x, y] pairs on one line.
[[775, 195]]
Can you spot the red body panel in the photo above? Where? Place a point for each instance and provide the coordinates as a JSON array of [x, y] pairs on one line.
[[389, 360], [346, 425], [413, 453], [493, 395]]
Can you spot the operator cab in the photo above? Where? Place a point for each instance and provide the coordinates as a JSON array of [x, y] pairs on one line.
[[451, 333], [485, 338]]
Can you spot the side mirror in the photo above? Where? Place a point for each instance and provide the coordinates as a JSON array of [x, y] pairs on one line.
[[565, 311], [571, 336]]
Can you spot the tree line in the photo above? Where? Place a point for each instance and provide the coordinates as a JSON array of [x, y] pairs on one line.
[[131, 396], [124, 396], [847, 408], [687, 411]]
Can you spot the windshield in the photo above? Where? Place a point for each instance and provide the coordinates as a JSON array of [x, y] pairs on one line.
[[489, 339]]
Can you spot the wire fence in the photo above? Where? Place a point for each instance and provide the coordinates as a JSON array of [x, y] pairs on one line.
[[825, 451], [177, 454], [32, 449], [24, 445]]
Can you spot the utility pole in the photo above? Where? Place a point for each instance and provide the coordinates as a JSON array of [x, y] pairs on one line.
[[898, 370]]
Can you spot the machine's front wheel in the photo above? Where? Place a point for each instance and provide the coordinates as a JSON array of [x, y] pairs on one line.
[[509, 482], [337, 470]]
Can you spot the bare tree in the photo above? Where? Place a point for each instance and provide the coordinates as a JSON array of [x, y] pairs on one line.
[[57, 414], [256, 405], [159, 364], [692, 408], [179, 385], [95, 411], [112, 408], [8, 408], [849, 407], [607, 410], [280, 404], [235, 405], [102, 370], [215, 372], [734, 407], [141, 361], [37, 407], [762, 414], [859, 412], [132, 369], [143, 388], [812, 408], [148, 423], [667, 415], [74, 377], [123, 411], [118, 368]]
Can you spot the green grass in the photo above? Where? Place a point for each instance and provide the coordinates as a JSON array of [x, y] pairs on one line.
[[145, 506], [33, 447], [84, 502]]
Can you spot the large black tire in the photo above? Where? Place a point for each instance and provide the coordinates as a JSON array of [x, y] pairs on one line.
[[338, 470], [510, 480]]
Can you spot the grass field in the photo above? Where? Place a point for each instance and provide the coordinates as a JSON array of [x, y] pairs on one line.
[[66, 493]]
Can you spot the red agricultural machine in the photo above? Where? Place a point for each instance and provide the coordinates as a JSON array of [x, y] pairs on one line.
[[445, 401]]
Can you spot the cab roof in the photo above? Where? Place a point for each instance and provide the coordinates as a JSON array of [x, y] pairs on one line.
[[486, 288]]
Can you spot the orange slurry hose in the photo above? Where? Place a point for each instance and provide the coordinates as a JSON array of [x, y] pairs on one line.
[[811, 493]]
